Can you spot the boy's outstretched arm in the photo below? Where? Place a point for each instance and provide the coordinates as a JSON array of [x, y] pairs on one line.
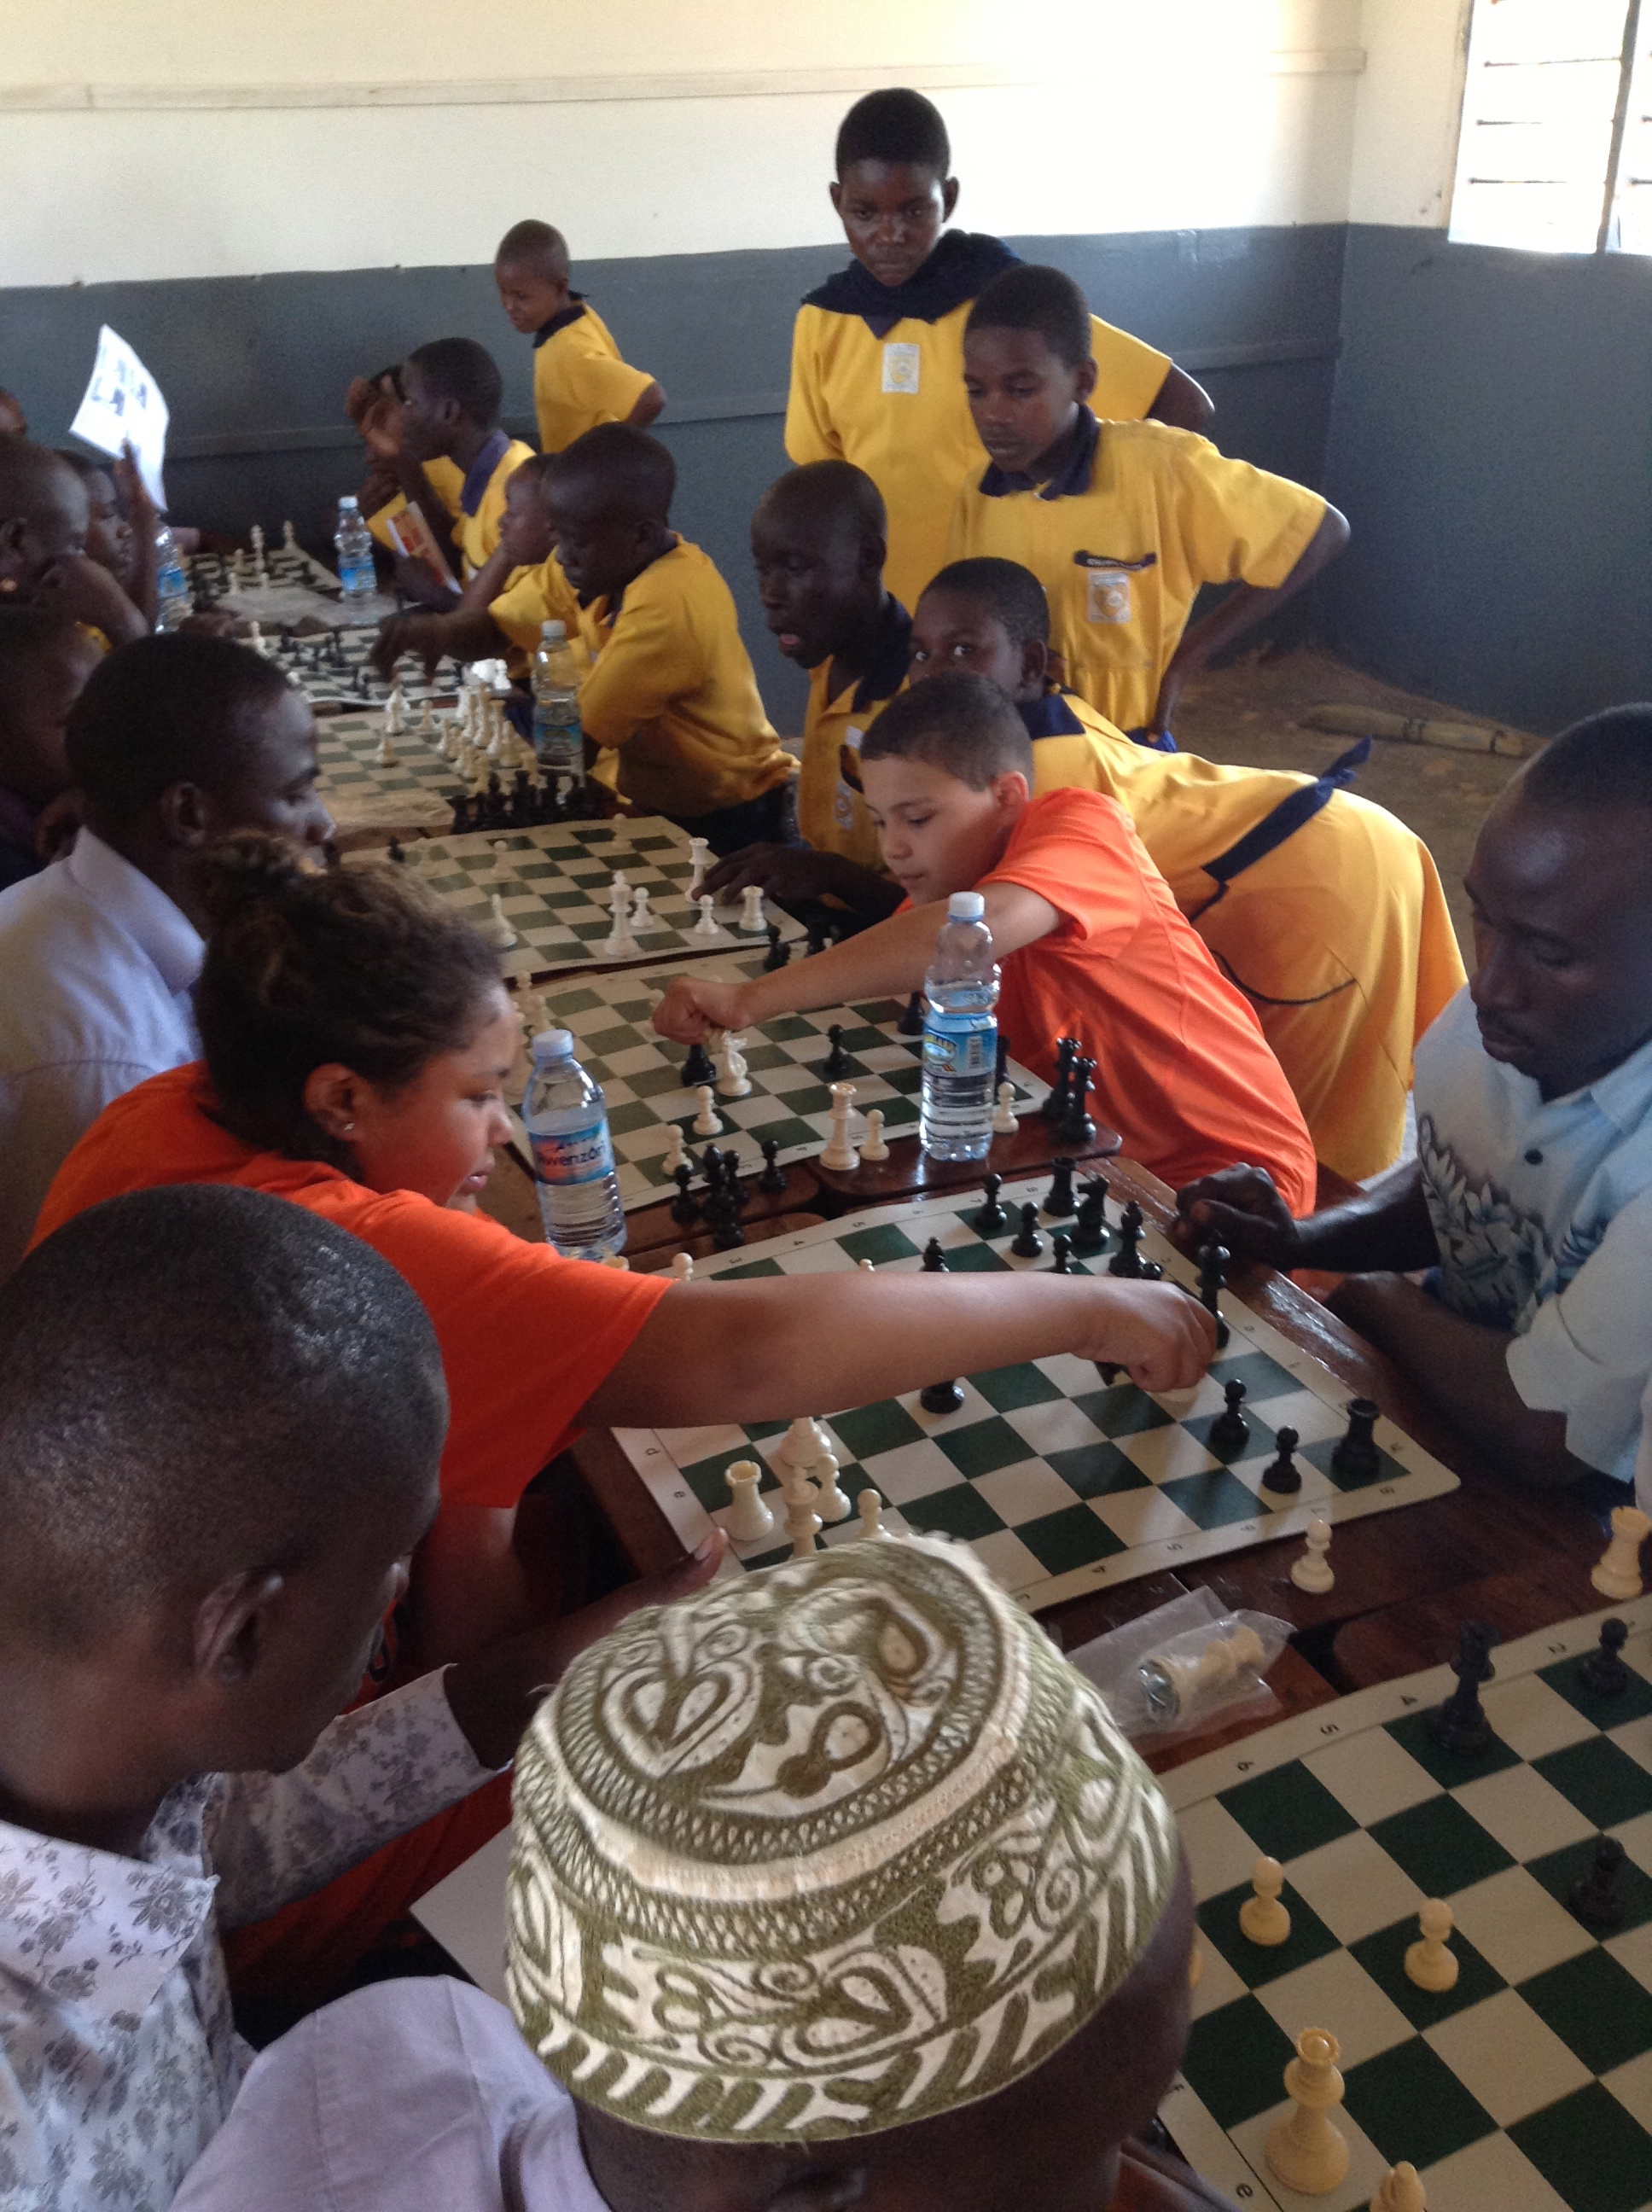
[[812, 1343], [1242, 608], [468, 634], [888, 961]]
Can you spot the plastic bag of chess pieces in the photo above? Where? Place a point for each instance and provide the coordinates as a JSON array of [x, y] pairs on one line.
[[1179, 1666]]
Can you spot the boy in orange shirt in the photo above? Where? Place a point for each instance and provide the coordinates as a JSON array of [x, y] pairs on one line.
[[1091, 944]]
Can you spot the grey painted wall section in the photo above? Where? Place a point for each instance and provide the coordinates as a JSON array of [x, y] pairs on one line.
[[1489, 443], [255, 368]]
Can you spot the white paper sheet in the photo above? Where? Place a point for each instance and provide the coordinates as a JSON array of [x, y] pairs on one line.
[[122, 403]]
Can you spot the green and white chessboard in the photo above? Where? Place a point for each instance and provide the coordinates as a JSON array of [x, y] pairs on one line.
[[790, 1101], [419, 789], [1528, 2086], [356, 687], [1059, 1483], [555, 885]]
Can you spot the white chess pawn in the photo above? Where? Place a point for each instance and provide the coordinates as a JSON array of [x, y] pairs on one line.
[[676, 1153], [870, 1506], [288, 541], [1399, 2191], [255, 637], [497, 931], [534, 1013], [866, 1266], [837, 1151], [1430, 1962], [681, 1267], [1313, 1570], [833, 1504], [699, 851], [1262, 1918], [501, 870], [1004, 1121], [393, 721], [705, 1122], [1307, 2152], [707, 925], [750, 1520], [803, 1523], [643, 917], [1619, 1575], [751, 910], [733, 1081], [874, 1148], [617, 1261]]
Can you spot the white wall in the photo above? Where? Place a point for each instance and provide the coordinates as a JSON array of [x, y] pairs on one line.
[[1406, 111], [160, 138]]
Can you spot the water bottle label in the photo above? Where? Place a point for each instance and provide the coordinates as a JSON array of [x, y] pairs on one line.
[[573, 1168], [960, 1045]]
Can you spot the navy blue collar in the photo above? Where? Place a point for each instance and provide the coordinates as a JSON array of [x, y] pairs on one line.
[[892, 655], [1070, 481], [1049, 717], [479, 475], [560, 320], [961, 266]]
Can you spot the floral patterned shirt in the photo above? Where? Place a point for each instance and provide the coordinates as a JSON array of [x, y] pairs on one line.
[[118, 2057]]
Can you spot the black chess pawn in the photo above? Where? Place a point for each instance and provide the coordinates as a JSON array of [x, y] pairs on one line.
[[684, 1208], [772, 1181], [492, 807], [934, 1260], [1460, 1725], [698, 1068], [1212, 1281], [836, 1062], [1357, 1457], [461, 821], [331, 854], [989, 1218], [1059, 1200], [911, 1023], [1029, 1243], [1231, 1432], [778, 954], [1089, 1230], [942, 1398], [394, 851], [816, 941], [1597, 1900], [1603, 1672], [1055, 1107], [1077, 1125], [1061, 1246], [1283, 1476]]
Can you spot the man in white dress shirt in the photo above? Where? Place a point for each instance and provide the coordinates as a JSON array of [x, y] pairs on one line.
[[174, 741]]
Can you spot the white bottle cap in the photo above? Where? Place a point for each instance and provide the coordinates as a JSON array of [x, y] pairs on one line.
[[553, 631], [350, 502], [553, 1044], [965, 905]]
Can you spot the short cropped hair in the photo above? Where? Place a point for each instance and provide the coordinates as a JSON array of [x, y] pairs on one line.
[[1006, 589], [955, 722], [1029, 298], [898, 126], [198, 1382], [461, 370], [166, 710], [533, 245], [829, 492], [1605, 760], [28, 636], [635, 473], [86, 465]]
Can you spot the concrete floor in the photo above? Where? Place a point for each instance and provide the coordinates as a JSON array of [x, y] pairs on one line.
[[1248, 713]]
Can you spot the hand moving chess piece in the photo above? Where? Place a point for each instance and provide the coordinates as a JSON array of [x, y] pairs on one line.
[[1307, 2152], [1430, 1961], [1619, 1575], [749, 1519], [1399, 2191], [1312, 1572], [1262, 1918]]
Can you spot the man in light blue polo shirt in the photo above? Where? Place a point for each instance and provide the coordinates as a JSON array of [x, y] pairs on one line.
[[173, 742], [1530, 1202]]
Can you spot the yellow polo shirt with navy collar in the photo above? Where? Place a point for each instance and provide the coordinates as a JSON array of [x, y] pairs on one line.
[[832, 814], [891, 400], [445, 478], [481, 507], [1122, 540], [670, 693], [580, 379]]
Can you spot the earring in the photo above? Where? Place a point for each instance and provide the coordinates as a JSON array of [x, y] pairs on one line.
[[349, 1128]]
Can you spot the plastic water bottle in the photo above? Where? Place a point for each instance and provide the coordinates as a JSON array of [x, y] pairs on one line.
[[354, 543], [567, 1121], [960, 1047], [557, 737], [172, 595]]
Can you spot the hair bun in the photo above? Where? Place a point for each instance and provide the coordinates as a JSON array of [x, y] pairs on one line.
[[245, 871]]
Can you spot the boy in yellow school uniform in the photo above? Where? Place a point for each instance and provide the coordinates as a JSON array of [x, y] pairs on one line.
[[452, 459], [580, 379], [1121, 522], [877, 351], [669, 700]]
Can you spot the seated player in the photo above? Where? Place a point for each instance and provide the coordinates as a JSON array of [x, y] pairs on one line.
[[877, 350], [44, 660], [45, 518], [579, 378], [924, 2036], [220, 1420], [374, 403], [358, 1040], [174, 741], [1324, 909], [1531, 1197], [451, 394], [120, 534], [670, 700], [1121, 522], [1089, 938]]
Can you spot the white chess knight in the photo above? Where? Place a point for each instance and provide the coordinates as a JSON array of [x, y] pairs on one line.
[[732, 1079], [751, 911], [497, 931], [1618, 1574], [837, 1151], [708, 925], [699, 850]]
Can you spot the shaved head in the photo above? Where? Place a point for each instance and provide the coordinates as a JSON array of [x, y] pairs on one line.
[[825, 497], [818, 538], [538, 247], [630, 474], [43, 510]]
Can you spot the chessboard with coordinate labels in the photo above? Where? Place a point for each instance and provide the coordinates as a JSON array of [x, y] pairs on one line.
[[792, 1062], [1062, 1479], [554, 885], [1527, 2085]]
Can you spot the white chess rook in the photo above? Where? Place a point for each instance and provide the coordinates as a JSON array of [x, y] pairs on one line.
[[837, 1151], [699, 850], [751, 910], [750, 1520], [1619, 1575]]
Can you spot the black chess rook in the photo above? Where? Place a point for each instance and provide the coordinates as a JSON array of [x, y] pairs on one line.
[[1357, 1452]]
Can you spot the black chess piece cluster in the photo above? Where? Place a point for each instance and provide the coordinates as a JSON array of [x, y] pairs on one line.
[[1460, 1725], [1067, 1109], [1128, 1262], [527, 806], [720, 1204]]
